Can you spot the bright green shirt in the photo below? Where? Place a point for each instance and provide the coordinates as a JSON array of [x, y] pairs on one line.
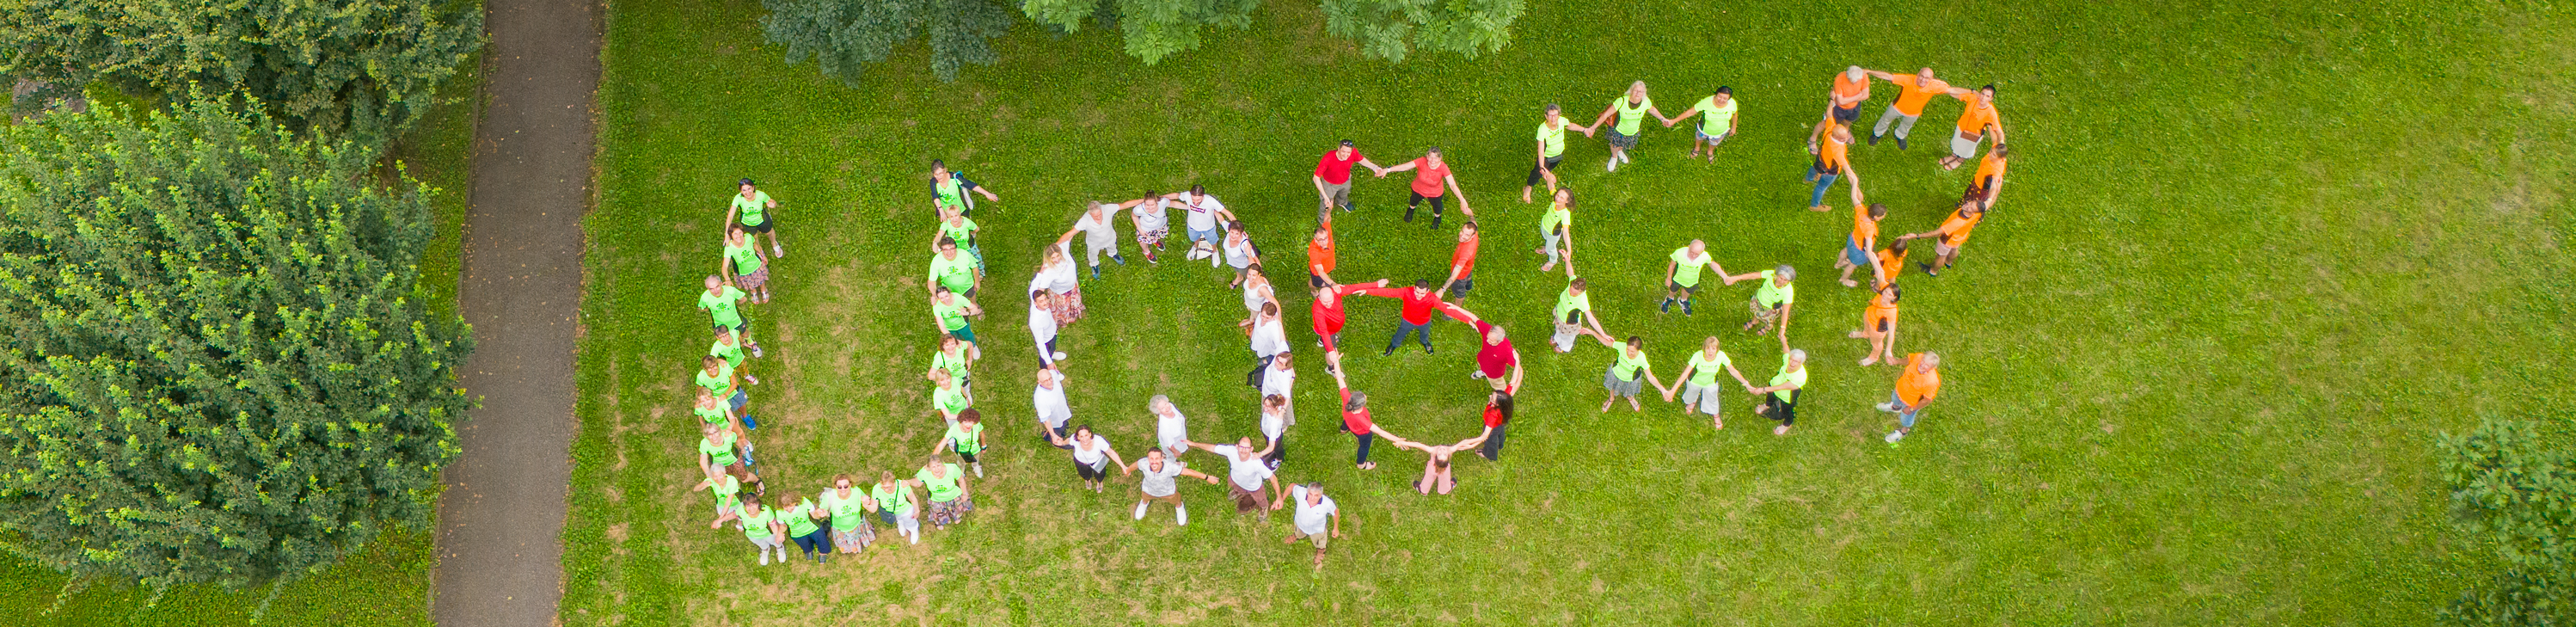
[[756, 526], [847, 513], [1772, 294], [720, 452], [751, 211], [1795, 380], [728, 490], [948, 400], [892, 500], [722, 305], [952, 314], [1555, 218], [958, 275], [955, 365], [1568, 302], [1631, 117], [1704, 370], [963, 232], [1686, 270], [1629, 368], [732, 354], [710, 415], [951, 193], [800, 519], [942, 490], [968, 441], [746, 258], [1714, 120], [1551, 140], [720, 384]]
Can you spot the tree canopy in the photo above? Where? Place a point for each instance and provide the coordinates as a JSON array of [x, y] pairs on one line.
[[2515, 492], [844, 36], [1388, 29], [1152, 29]]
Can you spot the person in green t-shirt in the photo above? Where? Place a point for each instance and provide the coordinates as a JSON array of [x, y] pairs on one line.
[[754, 211], [957, 358], [897, 507], [946, 399], [948, 190], [1551, 149], [742, 261], [1573, 314], [728, 491], [1681, 275], [949, 311], [966, 436], [1629, 367], [849, 506], [1698, 381], [711, 411], [1780, 400], [722, 450], [1772, 300], [949, 498], [956, 227], [952, 269], [728, 346], [1554, 226], [804, 522], [723, 304], [763, 527], [1631, 111], [1717, 121], [716, 378]]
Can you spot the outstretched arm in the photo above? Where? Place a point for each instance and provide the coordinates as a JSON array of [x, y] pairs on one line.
[[1472, 442]]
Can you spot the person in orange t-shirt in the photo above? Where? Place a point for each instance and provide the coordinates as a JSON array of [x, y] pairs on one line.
[[1864, 237], [1833, 160], [1914, 389], [1974, 123], [1319, 256], [1878, 324], [1915, 90], [1889, 262], [1953, 234], [1462, 263], [1989, 178], [1851, 88], [1432, 181]]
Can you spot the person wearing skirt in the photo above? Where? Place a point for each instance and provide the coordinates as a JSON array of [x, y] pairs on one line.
[[1627, 376], [849, 507]]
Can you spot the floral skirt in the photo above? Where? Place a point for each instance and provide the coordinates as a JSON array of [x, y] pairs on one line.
[[851, 540], [946, 513], [1068, 307]]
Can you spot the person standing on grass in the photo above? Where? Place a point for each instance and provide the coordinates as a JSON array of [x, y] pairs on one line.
[[1042, 327], [1269, 342], [1989, 178], [958, 358], [1780, 398], [1056, 275], [1435, 472], [1256, 292], [957, 227], [1098, 233], [1573, 315], [1915, 387], [1631, 110], [1851, 88], [1329, 314], [1717, 121], [1913, 91], [948, 190], [1889, 263], [1863, 239], [1171, 429], [1319, 257], [1051, 407], [742, 261], [1974, 123], [949, 311], [1498, 416], [1153, 225], [750, 211], [1557, 226], [1462, 263], [953, 269], [849, 507], [1091, 457], [1355, 413], [1698, 381], [1831, 144], [723, 304], [1246, 469], [1681, 275], [1274, 427], [1878, 324], [1239, 252], [946, 398], [1551, 150], [1161, 482], [966, 437], [717, 378], [1772, 300], [949, 498], [1333, 178], [763, 528], [1431, 181], [1312, 508], [896, 506], [1419, 301], [804, 525], [728, 491], [1628, 373], [1498, 364], [728, 347], [713, 412], [1951, 236], [1280, 380], [1205, 213]]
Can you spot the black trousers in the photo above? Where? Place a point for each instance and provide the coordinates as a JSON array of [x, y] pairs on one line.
[[1493, 448]]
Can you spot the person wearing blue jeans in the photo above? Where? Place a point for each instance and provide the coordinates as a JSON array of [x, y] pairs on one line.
[[1832, 145], [1406, 326]]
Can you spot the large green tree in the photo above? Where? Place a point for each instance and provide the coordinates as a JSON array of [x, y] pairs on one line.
[[1153, 29], [215, 365], [365, 69], [2515, 492], [1388, 29], [844, 36]]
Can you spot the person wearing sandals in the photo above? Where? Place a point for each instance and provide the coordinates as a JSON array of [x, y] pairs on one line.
[[1312, 508], [1631, 111], [896, 507], [1698, 381], [949, 497], [743, 262], [849, 507], [761, 525]]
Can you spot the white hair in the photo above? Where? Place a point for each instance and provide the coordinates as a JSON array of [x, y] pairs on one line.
[[1797, 355], [1852, 72]]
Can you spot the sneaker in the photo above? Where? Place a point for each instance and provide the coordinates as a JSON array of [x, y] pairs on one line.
[[1614, 165], [1478, 375], [1667, 307], [1686, 309], [764, 556], [1121, 259], [1886, 406], [1150, 258], [1140, 510], [1900, 143], [1873, 140], [979, 470], [755, 351], [1927, 269], [1056, 357], [754, 380], [1623, 156], [1389, 353], [1893, 436], [1426, 349], [749, 423], [1181, 515]]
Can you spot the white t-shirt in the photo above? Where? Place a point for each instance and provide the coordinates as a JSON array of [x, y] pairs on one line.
[[1280, 382], [1311, 518], [1160, 483], [1269, 338], [1246, 473], [1041, 324], [1061, 278], [1253, 297], [1097, 456], [1238, 255], [1172, 429], [1052, 408], [1151, 216], [1202, 212], [1098, 232], [1272, 424]]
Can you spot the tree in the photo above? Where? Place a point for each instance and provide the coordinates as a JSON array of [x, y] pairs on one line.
[[1153, 29], [1388, 29], [2516, 492], [366, 69], [215, 366], [843, 36]]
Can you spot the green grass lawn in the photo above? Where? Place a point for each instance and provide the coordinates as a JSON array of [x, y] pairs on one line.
[[389, 582], [2253, 258]]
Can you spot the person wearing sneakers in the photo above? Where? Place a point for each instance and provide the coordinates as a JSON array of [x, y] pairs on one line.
[[752, 210], [849, 507], [804, 526], [1312, 508], [1042, 327], [723, 304], [948, 190], [1355, 413], [1050, 405], [1989, 178], [896, 507], [1554, 225], [1863, 239], [1681, 275], [1631, 110], [1274, 427], [1573, 315], [1913, 91], [1153, 225], [742, 261], [1161, 482], [1623, 376], [1333, 178], [1204, 214], [949, 311], [1092, 457], [1436, 475], [1419, 301], [1831, 144], [1716, 122], [1319, 257], [1772, 300], [1462, 262], [966, 437], [1851, 87], [1099, 235], [1975, 123], [1915, 388], [949, 498], [1246, 469], [762, 526], [1780, 398], [1698, 381], [1878, 324], [1431, 181], [1551, 150], [1952, 235], [1328, 313]]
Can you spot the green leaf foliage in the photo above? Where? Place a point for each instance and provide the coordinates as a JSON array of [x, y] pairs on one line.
[[214, 368], [1388, 29], [844, 36], [2512, 489], [365, 69], [1153, 29]]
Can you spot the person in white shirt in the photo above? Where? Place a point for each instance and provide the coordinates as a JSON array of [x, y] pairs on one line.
[[1269, 342], [1245, 471], [1281, 381], [1239, 253], [1056, 275], [1162, 483], [1052, 409], [1153, 225], [1042, 326], [1312, 508], [1171, 429], [1098, 233], [1205, 213], [1091, 457], [1274, 425]]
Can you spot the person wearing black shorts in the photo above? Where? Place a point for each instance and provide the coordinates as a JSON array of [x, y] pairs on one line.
[[1780, 398], [1551, 150]]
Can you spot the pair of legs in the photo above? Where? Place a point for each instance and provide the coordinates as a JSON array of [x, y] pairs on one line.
[[1675, 292], [1095, 248], [1403, 327], [1942, 256], [855, 538], [1764, 317], [772, 542], [1619, 145], [1904, 126], [768, 227], [1092, 476], [1493, 446], [1366, 439], [1783, 410], [745, 329], [1334, 196], [1249, 501], [1702, 399], [1321, 539], [1436, 477], [1700, 140], [817, 545], [1876, 327], [1852, 259], [1180, 512], [1823, 175], [1963, 146], [1152, 241], [1904, 416], [1552, 244], [1439, 204], [1543, 170], [1621, 387]]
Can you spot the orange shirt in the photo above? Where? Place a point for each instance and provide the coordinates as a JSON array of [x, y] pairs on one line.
[[1917, 92], [1833, 154], [1990, 166], [1973, 121], [1916, 387], [1430, 181], [1845, 87], [1464, 260], [1954, 231], [1319, 254], [1864, 230], [1882, 304]]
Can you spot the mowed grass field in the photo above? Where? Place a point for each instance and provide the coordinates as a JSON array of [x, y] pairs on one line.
[[2252, 259]]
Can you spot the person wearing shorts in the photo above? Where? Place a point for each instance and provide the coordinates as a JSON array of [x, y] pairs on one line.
[[1716, 123], [1699, 381], [896, 507], [1551, 150], [966, 437], [1161, 482], [1832, 145], [849, 507], [950, 310], [717, 378], [1462, 263], [1556, 232], [1312, 509], [762, 526], [1204, 214], [1851, 87], [1573, 315], [1920, 382], [754, 211], [1333, 178], [1153, 225], [1246, 469], [1863, 239], [1780, 398], [949, 497], [1091, 457], [1628, 373], [1979, 118], [1771, 302], [1878, 324], [742, 261], [1952, 235], [723, 304], [1432, 181], [1913, 91], [1681, 275], [1631, 110], [948, 190]]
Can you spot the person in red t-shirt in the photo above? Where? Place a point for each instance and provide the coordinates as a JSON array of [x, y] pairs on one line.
[[1495, 357], [1329, 315], [1462, 263], [1419, 301], [1431, 180], [1333, 178], [1498, 414], [1355, 414]]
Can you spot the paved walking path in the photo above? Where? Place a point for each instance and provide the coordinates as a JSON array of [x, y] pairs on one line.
[[499, 553]]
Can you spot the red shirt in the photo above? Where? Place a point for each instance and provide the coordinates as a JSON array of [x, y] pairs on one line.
[[1463, 262], [1417, 308], [1428, 180], [1493, 415], [1357, 421], [1328, 320], [1495, 360], [1334, 169]]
